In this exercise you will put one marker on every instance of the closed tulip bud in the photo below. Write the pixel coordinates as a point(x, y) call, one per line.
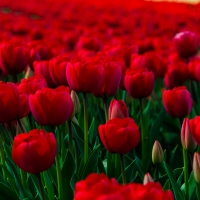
point(187, 140)
point(147, 179)
point(196, 167)
point(76, 102)
point(117, 109)
point(157, 153)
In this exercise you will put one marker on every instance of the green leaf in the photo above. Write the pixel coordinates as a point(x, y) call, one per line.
point(48, 185)
point(177, 192)
point(130, 172)
point(91, 130)
point(67, 172)
point(91, 164)
point(192, 184)
point(155, 129)
point(7, 192)
point(167, 185)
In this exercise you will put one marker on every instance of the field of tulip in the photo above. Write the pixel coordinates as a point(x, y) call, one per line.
point(99, 100)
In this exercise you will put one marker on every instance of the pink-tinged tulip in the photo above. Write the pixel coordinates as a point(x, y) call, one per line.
point(187, 140)
point(186, 44)
point(196, 167)
point(177, 102)
point(117, 109)
point(139, 83)
point(147, 178)
point(34, 152)
point(51, 106)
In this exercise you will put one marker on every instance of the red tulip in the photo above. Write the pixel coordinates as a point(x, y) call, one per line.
point(194, 69)
point(85, 77)
point(32, 85)
point(42, 68)
point(176, 74)
point(139, 83)
point(51, 107)
point(194, 125)
point(149, 60)
point(15, 56)
point(117, 109)
point(13, 104)
point(119, 135)
point(111, 81)
point(186, 44)
point(99, 187)
point(177, 102)
point(34, 152)
point(57, 68)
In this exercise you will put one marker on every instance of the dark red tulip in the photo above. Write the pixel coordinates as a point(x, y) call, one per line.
point(119, 135)
point(139, 83)
point(85, 77)
point(177, 102)
point(194, 125)
point(51, 106)
point(32, 85)
point(14, 55)
point(186, 44)
point(32, 148)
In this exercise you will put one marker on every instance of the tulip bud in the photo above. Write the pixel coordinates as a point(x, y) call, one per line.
point(196, 167)
point(76, 102)
point(187, 140)
point(157, 153)
point(147, 179)
point(117, 109)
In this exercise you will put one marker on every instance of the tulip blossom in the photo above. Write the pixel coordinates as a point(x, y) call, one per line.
point(34, 152)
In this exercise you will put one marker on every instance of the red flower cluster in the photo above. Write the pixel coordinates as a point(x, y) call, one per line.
point(99, 187)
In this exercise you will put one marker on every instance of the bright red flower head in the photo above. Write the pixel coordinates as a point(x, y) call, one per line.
point(177, 102)
point(51, 106)
point(32, 85)
point(139, 83)
point(194, 125)
point(119, 135)
point(85, 77)
point(34, 152)
point(15, 56)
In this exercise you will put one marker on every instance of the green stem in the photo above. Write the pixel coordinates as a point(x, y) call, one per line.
point(185, 159)
point(157, 173)
point(10, 133)
point(2, 156)
point(122, 168)
point(70, 136)
point(105, 105)
point(31, 121)
point(85, 128)
point(117, 168)
point(198, 190)
point(41, 188)
point(23, 177)
point(21, 126)
point(58, 172)
point(143, 136)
